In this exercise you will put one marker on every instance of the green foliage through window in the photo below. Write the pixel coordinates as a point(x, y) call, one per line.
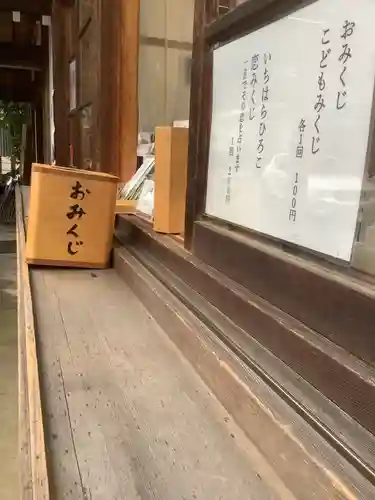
point(12, 117)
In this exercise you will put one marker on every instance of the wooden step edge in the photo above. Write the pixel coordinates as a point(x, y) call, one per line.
point(340, 376)
point(342, 431)
point(305, 462)
point(303, 287)
point(33, 474)
point(131, 230)
point(129, 226)
point(331, 300)
point(25, 476)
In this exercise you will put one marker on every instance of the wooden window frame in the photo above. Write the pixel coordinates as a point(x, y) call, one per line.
point(331, 298)
point(208, 33)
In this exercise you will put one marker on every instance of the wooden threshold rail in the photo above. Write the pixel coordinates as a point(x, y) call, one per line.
point(33, 463)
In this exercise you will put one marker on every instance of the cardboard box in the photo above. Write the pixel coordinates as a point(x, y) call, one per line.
point(171, 153)
point(71, 217)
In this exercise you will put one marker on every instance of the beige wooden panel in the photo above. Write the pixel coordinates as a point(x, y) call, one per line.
point(180, 14)
point(151, 87)
point(152, 18)
point(178, 84)
point(164, 72)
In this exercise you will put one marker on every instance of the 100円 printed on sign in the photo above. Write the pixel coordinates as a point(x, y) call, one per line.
point(290, 125)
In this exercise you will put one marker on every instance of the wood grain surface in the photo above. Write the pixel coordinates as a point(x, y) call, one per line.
point(30, 409)
point(126, 415)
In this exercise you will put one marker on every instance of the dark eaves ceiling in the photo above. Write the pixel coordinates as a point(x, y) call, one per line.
point(27, 6)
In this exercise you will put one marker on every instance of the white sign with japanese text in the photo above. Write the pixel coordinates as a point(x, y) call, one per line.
point(290, 126)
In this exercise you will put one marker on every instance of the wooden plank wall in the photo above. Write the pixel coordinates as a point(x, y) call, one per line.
point(103, 37)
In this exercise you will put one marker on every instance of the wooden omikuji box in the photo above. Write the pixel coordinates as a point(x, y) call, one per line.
point(126, 206)
point(71, 217)
point(171, 154)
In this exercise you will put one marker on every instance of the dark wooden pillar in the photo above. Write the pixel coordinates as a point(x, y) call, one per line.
point(195, 182)
point(61, 83)
point(109, 86)
point(129, 55)
point(119, 86)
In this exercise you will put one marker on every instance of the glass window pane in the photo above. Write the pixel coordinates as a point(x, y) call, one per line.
point(166, 42)
point(287, 157)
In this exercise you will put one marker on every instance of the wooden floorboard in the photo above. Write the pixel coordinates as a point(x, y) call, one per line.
point(126, 417)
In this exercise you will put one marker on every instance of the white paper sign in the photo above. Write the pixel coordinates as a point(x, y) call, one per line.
point(290, 125)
